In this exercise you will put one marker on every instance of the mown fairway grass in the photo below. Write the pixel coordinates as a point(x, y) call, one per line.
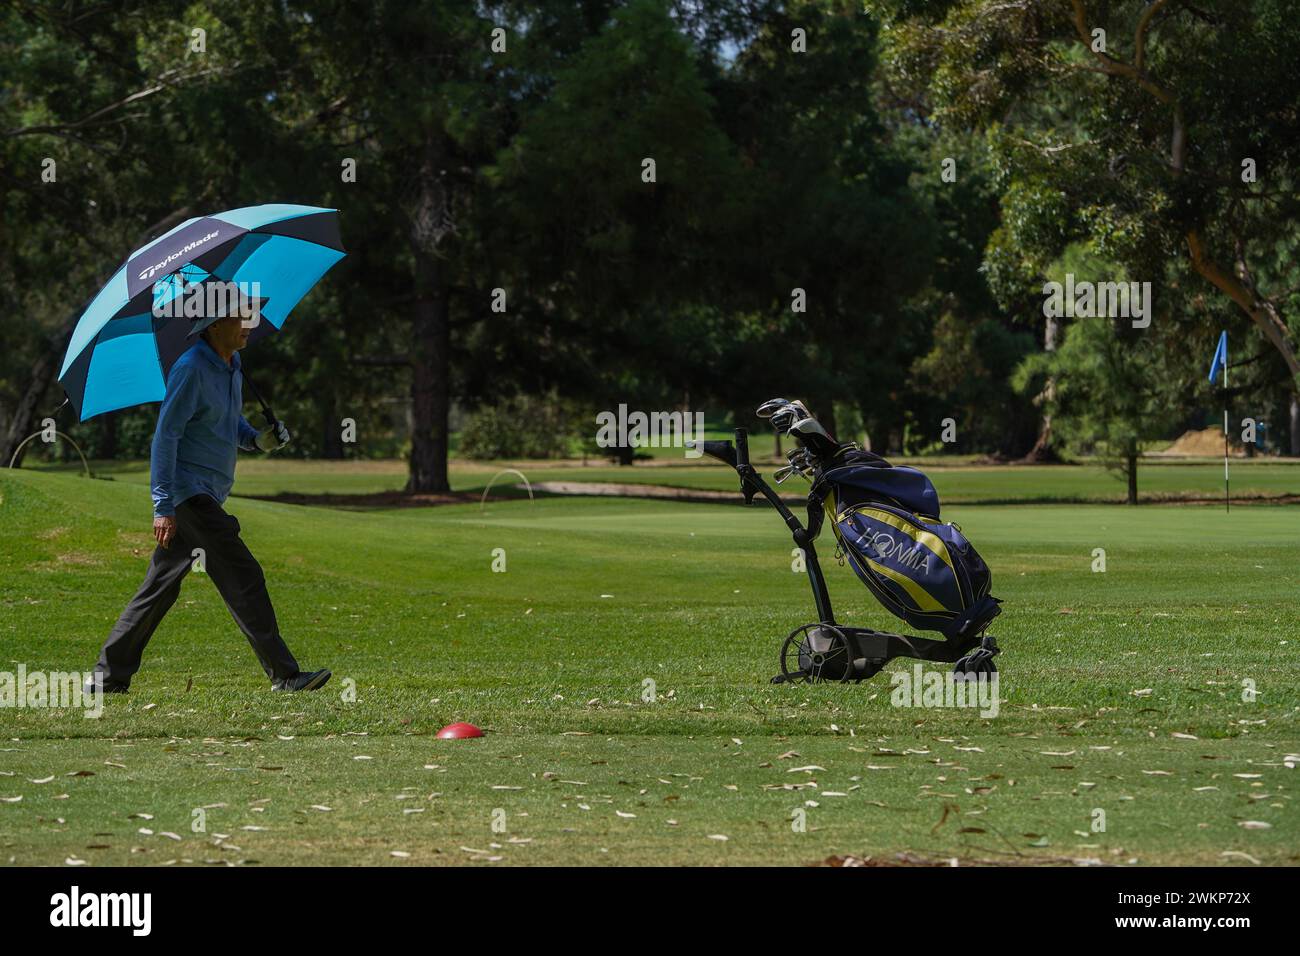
point(1122, 691)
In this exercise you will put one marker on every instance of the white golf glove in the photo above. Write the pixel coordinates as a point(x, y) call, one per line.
point(273, 437)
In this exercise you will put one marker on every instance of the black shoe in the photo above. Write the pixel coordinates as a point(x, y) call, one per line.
point(110, 686)
point(303, 680)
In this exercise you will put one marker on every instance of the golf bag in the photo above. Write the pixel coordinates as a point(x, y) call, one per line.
point(886, 524)
point(886, 520)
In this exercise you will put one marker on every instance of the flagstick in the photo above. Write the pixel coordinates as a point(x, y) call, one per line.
point(1227, 500)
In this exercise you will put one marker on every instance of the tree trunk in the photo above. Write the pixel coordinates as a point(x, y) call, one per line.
point(1131, 472)
point(1043, 450)
point(430, 224)
point(430, 394)
point(108, 436)
point(331, 436)
point(1295, 425)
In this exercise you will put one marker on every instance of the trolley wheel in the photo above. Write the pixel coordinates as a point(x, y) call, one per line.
point(978, 661)
point(816, 652)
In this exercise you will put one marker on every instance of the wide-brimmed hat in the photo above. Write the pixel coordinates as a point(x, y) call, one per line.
point(226, 305)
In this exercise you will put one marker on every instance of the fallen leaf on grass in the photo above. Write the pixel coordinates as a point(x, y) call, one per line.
point(1238, 855)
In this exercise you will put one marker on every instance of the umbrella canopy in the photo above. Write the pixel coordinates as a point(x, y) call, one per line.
point(126, 341)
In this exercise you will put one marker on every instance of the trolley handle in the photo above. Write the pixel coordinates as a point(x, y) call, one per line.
point(748, 477)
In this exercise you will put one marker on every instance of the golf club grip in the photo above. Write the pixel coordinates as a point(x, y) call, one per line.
point(742, 447)
point(742, 466)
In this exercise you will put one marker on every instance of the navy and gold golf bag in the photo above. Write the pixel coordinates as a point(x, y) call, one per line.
point(886, 520)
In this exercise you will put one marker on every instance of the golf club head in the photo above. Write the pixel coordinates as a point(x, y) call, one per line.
point(783, 414)
point(809, 428)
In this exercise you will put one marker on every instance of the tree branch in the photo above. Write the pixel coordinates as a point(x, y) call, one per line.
point(166, 80)
point(1262, 312)
point(1113, 66)
point(1140, 38)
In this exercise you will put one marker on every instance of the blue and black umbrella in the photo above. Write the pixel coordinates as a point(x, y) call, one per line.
point(124, 345)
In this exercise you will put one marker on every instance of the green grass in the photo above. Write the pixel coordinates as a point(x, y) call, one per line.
point(960, 482)
point(1106, 677)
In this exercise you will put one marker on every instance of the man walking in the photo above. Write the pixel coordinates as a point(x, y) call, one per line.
point(200, 428)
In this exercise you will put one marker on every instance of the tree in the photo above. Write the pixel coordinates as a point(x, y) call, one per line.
point(1116, 387)
point(1180, 138)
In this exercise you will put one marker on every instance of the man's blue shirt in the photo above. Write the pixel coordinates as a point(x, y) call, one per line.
point(200, 429)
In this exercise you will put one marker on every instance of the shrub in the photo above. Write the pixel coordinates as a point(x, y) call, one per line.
point(526, 426)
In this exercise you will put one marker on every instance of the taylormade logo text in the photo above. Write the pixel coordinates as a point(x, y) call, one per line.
point(150, 271)
point(103, 909)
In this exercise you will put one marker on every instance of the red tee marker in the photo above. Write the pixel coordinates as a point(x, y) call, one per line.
point(459, 732)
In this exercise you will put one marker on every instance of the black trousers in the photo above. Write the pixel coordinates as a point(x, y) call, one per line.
point(200, 523)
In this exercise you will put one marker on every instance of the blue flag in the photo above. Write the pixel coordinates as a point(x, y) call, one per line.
point(1220, 361)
